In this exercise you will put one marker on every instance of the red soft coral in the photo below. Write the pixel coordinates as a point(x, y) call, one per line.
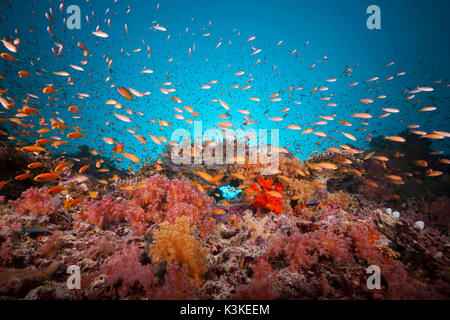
point(263, 198)
point(34, 200)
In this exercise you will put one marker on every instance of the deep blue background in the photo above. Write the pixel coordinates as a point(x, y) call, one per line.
point(414, 34)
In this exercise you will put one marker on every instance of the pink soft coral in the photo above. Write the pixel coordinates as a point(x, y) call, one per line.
point(261, 285)
point(126, 272)
point(157, 200)
point(302, 250)
point(110, 210)
point(166, 200)
point(356, 243)
point(34, 200)
point(161, 199)
point(399, 285)
point(177, 285)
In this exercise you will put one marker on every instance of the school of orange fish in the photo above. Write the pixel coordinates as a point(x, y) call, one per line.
point(26, 118)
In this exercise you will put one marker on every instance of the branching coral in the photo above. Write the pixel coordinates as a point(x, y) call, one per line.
point(175, 243)
point(125, 271)
point(341, 166)
point(34, 200)
point(292, 167)
point(288, 166)
point(249, 169)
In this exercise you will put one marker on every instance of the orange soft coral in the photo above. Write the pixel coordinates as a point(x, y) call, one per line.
point(176, 244)
point(264, 199)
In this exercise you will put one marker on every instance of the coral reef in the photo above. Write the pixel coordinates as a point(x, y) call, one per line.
point(310, 230)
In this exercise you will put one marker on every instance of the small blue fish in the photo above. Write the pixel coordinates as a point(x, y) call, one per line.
point(35, 230)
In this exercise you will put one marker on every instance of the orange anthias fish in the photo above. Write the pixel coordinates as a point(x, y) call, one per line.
point(50, 89)
point(83, 168)
point(131, 157)
point(395, 138)
point(8, 57)
point(124, 92)
point(32, 149)
point(119, 148)
point(73, 109)
point(34, 165)
point(75, 135)
point(46, 177)
point(318, 185)
point(55, 190)
point(204, 176)
point(3, 183)
point(22, 176)
point(61, 166)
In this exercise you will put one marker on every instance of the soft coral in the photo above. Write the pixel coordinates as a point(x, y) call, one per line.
point(34, 200)
point(110, 210)
point(264, 199)
point(161, 199)
point(125, 271)
point(261, 285)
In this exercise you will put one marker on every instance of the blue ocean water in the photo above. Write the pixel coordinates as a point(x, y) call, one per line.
point(412, 35)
